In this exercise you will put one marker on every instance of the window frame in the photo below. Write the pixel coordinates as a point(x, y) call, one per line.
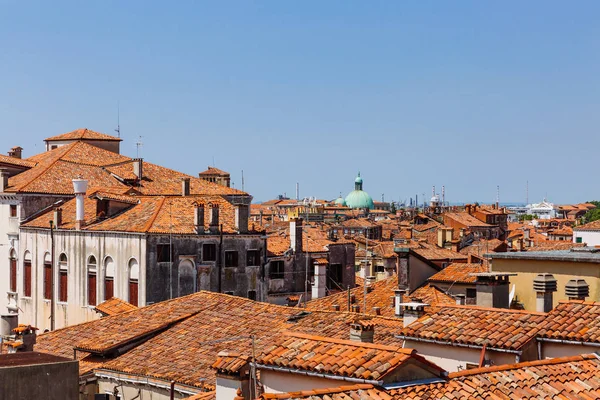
point(256, 254)
point(280, 273)
point(212, 252)
point(231, 259)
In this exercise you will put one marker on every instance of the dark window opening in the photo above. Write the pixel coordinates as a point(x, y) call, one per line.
point(47, 280)
point(579, 240)
point(277, 269)
point(253, 258)
point(13, 210)
point(379, 268)
point(231, 258)
point(252, 294)
point(209, 252)
point(471, 293)
point(335, 275)
point(163, 253)
point(229, 293)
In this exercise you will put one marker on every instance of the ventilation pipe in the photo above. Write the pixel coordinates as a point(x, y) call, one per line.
point(80, 187)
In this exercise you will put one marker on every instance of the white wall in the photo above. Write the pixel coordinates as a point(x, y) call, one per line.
point(78, 246)
point(590, 237)
point(282, 382)
point(130, 391)
point(8, 240)
point(554, 350)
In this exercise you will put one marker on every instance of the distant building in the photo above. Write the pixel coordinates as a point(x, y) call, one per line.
point(588, 233)
point(358, 198)
point(217, 176)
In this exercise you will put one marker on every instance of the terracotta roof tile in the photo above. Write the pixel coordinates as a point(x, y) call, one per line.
point(114, 305)
point(459, 273)
point(213, 171)
point(574, 320)
point(466, 219)
point(19, 162)
point(83, 133)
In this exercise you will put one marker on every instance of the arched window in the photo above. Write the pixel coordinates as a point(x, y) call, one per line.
point(134, 276)
point(13, 271)
point(63, 269)
point(187, 278)
point(47, 276)
point(109, 278)
point(27, 274)
point(91, 281)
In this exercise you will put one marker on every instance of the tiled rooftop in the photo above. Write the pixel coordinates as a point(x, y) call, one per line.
point(471, 325)
point(114, 305)
point(83, 133)
point(18, 162)
point(575, 320)
point(331, 356)
point(590, 255)
point(591, 226)
point(466, 219)
point(213, 171)
point(459, 273)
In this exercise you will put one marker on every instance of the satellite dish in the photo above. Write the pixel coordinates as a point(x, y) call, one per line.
point(511, 296)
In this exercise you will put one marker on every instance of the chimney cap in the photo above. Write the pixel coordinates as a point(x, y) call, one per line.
point(544, 283)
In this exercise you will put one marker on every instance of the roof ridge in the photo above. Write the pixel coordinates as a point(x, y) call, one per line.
point(510, 310)
point(403, 350)
point(153, 218)
point(506, 367)
point(43, 170)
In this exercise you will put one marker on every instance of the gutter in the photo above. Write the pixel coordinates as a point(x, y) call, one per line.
point(470, 346)
point(157, 383)
point(562, 341)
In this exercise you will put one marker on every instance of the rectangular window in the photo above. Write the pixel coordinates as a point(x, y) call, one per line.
point(109, 288)
point(47, 281)
point(379, 268)
point(253, 258)
point(471, 293)
point(231, 258)
point(252, 294)
point(13, 274)
point(13, 210)
point(163, 253)
point(63, 286)
point(335, 276)
point(133, 292)
point(578, 240)
point(276, 269)
point(91, 288)
point(209, 252)
point(27, 278)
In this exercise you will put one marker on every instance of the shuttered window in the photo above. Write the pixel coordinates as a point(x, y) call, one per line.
point(109, 288)
point(47, 280)
point(13, 274)
point(63, 287)
point(133, 292)
point(92, 288)
point(27, 278)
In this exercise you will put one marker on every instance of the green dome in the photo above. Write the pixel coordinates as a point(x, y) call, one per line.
point(358, 179)
point(340, 201)
point(359, 199)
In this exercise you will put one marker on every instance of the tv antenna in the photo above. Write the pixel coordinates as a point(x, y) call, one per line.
point(118, 130)
point(138, 145)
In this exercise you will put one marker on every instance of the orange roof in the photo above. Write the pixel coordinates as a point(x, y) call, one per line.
point(212, 395)
point(591, 226)
point(471, 325)
point(18, 162)
point(230, 362)
point(83, 134)
point(466, 219)
point(459, 273)
point(574, 320)
point(344, 358)
point(114, 305)
point(213, 171)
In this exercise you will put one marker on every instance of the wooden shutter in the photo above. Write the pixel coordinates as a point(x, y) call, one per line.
point(27, 278)
point(47, 281)
point(13, 275)
point(91, 289)
point(133, 292)
point(109, 288)
point(63, 286)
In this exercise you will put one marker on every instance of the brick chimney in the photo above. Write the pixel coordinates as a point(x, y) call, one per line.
point(296, 234)
point(185, 186)
point(362, 331)
point(214, 218)
point(492, 289)
point(544, 285)
point(79, 187)
point(412, 312)
point(3, 179)
point(577, 289)
point(199, 218)
point(242, 212)
point(16, 152)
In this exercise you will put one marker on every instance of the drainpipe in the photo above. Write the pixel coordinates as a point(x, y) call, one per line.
point(172, 390)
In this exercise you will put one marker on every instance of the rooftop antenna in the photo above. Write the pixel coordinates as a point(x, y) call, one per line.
point(497, 196)
point(297, 191)
point(242, 180)
point(118, 130)
point(527, 193)
point(382, 198)
point(443, 195)
point(138, 145)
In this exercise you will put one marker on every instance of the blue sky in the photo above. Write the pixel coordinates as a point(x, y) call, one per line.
point(465, 94)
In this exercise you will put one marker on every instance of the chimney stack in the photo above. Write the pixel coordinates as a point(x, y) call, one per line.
point(57, 217)
point(336, 307)
point(398, 298)
point(79, 187)
point(318, 287)
point(241, 218)
point(199, 218)
point(492, 289)
point(377, 310)
point(296, 234)
point(3, 179)
point(362, 331)
point(185, 186)
point(214, 218)
point(16, 152)
point(355, 308)
point(577, 289)
point(544, 285)
point(138, 168)
point(412, 312)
